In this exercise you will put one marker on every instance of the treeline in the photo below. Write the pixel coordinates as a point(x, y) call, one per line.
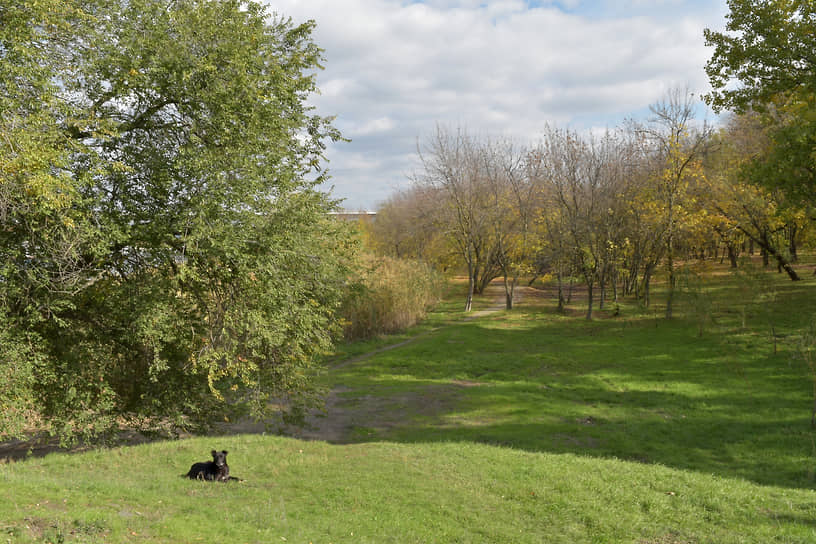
point(612, 209)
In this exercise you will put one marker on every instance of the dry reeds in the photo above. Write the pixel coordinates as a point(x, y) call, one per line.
point(390, 295)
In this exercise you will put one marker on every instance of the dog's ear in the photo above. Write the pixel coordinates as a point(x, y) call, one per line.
point(224, 452)
point(213, 452)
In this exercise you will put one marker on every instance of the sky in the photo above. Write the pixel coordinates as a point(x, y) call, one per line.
point(397, 69)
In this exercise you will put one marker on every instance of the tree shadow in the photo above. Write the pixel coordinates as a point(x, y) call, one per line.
point(644, 392)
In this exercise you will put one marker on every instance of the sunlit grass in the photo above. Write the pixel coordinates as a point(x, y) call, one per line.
point(633, 387)
point(446, 492)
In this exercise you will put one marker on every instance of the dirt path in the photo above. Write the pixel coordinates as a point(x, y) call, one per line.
point(344, 417)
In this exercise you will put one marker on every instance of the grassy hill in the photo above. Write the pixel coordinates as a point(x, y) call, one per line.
point(525, 426)
point(386, 492)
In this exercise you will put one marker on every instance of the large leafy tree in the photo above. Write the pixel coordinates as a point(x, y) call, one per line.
point(768, 47)
point(765, 61)
point(215, 269)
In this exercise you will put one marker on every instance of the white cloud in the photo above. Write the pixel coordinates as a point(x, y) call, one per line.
point(394, 69)
point(375, 126)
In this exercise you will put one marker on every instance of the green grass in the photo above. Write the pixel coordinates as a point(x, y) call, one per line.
point(635, 387)
point(521, 426)
point(387, 492)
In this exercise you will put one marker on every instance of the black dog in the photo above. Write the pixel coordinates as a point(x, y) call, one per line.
point(216, 470)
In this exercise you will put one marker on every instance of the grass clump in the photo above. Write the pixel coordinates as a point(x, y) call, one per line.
point(391, 295)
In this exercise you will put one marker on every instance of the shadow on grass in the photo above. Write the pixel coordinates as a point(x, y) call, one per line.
point(641, 391)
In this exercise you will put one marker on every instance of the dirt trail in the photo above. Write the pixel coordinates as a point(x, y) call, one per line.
point(373, 414)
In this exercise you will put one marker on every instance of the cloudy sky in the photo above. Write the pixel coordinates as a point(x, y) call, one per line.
point(397, 68)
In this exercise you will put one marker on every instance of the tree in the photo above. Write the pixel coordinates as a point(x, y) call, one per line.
point(788, 162)
point(216, 270)
point(554, 254)
point(46, 238)
point(405, 227)
point(581, 178)
point(453, 168)
point(759, 213)
point(768, 49)
point(642, 246)
point(679, 148)
point(512, 187)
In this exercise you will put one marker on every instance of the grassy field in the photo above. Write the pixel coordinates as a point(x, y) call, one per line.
point(523, 426)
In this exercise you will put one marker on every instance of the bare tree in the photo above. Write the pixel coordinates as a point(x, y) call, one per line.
point(572, 170)
point(452, 165)
point(513, 197)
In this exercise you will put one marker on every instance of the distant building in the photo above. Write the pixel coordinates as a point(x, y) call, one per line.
point(360, 215)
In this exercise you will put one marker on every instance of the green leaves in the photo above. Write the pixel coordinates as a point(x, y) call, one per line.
point(768, 47)
point(167, 172)
point(769, 52)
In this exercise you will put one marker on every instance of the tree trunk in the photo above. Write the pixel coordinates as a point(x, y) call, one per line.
point(786, 267)
point(632, 283)
point(602, 287)
point(672, 279)
point(732, 255)
point(792, 230)
point(471, 284)
point(477, 289)
point(767, 249)
point(560, 280)
point(615, 287)
point(647, 279)
point(509, 290)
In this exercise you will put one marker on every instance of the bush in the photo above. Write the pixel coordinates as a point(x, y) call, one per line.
point(18, 362)
point(390, 295)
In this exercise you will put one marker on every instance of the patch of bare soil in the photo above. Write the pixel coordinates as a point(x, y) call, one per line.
point(41, 445)
point(347, 419)
point(343, 417)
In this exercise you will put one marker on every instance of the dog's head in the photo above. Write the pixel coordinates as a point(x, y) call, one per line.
point(220, 458)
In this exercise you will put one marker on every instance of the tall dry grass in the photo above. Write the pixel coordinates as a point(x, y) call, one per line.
point(390, 295)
